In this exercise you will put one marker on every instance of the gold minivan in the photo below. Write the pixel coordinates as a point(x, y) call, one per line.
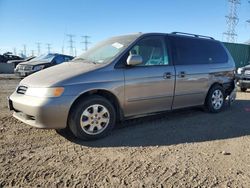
point(126, 77)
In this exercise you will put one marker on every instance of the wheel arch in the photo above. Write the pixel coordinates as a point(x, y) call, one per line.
point(211, 86)
point(103, 93)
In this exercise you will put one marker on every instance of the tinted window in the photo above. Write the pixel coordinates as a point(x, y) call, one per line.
point(59, 59)
point(44, 57)
point(66, 58)
point(198, 51)
point(152, 50)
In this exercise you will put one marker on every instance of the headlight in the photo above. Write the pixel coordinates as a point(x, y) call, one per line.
point(38, 67)
point(239, 70)
point(18, 66)
point(45, 92)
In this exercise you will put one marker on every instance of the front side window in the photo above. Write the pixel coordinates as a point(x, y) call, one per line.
point(152, 50)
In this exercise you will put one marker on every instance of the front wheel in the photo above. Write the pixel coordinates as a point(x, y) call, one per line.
point(215, 99)
point(92, 118)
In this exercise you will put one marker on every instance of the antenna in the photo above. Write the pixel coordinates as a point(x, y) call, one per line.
point(48, 47)
point(232, 20)
point(85, 42)
point(38, 48)
point(71, 42)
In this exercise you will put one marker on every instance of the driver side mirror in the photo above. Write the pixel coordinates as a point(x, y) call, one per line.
point(134, 59)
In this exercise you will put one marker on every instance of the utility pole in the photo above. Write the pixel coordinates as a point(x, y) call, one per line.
point(75, 52)
point(63, 50)
point(248, 21)
point(85, 42)
point(21, 53)
point(14, 50)
point(24, 49)
point(232, 20)
point(71, 44)
point(32, 52)
point(48, 47)
point(38, 48)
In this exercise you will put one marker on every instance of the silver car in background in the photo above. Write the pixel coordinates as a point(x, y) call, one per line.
point(39, 63)
point(126, 77)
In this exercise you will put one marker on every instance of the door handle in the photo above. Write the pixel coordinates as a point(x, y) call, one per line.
point(182, 74)
point(167, 75)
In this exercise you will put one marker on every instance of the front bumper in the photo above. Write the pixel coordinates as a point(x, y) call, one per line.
point(49, 113)
point(232, 95)
point(23, 73)
point(243, 82)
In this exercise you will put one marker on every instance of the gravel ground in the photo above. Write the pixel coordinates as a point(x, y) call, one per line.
point(187, 148)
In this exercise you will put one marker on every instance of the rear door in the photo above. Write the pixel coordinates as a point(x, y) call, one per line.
point(192, 64)
point(149, 87)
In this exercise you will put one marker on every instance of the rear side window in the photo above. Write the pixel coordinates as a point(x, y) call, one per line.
point(189, 51)
point(66, 58)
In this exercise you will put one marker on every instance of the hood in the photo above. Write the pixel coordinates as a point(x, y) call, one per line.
point(34, 62)
point(246, 67)
point(15, 61)
point(57, 74)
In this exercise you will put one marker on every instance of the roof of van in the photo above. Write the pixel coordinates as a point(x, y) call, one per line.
point(173, 34)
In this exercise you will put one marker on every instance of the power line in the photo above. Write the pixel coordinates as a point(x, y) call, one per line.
point(232, 20)
point(85, 42)
point(71, 44)
point(38, 48)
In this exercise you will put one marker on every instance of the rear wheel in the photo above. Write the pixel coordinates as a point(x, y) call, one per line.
point(92, 118)
point(243, 89)
point(215, 99)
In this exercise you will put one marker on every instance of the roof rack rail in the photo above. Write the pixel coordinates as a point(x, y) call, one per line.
point(194, 35)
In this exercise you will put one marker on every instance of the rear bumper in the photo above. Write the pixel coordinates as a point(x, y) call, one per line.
point(49, 113)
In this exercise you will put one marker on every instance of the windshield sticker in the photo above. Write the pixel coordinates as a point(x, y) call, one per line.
point(117, 45)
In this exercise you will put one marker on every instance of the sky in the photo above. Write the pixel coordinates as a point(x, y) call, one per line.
point(26, 22)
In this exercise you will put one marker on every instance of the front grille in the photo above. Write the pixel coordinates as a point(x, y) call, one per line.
point(21, 89)
point(247, 72)
point(25, 67)
point(248, 79)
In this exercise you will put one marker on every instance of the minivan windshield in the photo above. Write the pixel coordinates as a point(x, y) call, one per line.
point(44, 57)
point(106, 51)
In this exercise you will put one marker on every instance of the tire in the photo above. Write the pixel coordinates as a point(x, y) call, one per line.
point(243, 89)
point(92, 118)
point(215, 99)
